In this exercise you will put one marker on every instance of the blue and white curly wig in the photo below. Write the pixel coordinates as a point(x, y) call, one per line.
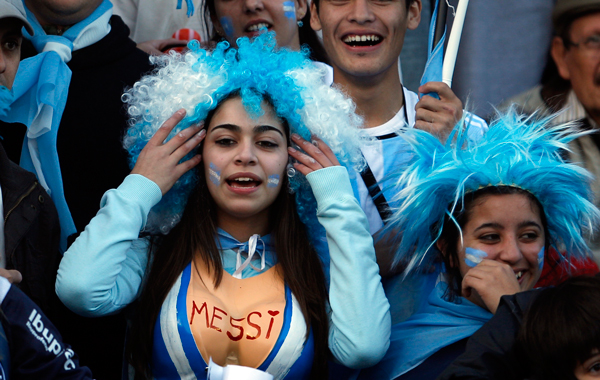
point(199, 80)
point(516, 151)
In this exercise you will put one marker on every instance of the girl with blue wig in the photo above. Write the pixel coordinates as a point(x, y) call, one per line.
point(486, 214)
point(224, 269)
point(289, 19)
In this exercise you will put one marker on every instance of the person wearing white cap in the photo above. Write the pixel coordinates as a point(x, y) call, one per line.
point(66, 123)
point(12, 18)
point(29, 254)
point(30, 346)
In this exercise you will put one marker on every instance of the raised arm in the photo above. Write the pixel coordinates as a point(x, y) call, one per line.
point(359, 331)
point(103, 269)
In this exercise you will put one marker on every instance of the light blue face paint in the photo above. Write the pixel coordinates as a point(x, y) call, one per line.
point(540, 258)
point(273, 180)
point(474, 256)
point(214, 174)
point(289, 9)
point(227, 24)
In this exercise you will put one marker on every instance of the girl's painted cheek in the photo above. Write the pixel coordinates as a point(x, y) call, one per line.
point(227, 24)
point(540, 258)
point(289, 9)
point(273, 180)
point(214, 174)
point(474, 256)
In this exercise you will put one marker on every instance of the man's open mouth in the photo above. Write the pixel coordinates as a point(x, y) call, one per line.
point(356, 40)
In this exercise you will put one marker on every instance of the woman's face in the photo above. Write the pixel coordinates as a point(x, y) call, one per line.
point(244, 162)
point(239, 18)
point(505, 228)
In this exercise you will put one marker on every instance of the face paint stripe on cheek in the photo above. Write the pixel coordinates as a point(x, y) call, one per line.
point(474, 256)
point(289, 9)
point(227, 24)
point(214, 174)
point(540, 258)
point(273, 180)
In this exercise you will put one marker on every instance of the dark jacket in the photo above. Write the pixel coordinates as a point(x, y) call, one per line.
point(491, 352)
point(31, 233)
point(92, 161)
point(32, 348)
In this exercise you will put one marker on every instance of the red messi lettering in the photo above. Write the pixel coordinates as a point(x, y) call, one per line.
point(241, 335)
point(257, 327)
point(199, 311)
point(212, 326)
point(273, 313)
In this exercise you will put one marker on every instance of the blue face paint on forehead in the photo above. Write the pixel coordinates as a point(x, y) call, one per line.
point(214, 174)
point(227, 24)
point(289, 9)
point(474, 256)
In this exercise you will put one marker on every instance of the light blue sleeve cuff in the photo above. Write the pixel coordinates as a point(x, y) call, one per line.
point(331, 184)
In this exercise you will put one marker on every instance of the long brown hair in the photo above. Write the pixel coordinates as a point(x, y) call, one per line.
point(299, 266)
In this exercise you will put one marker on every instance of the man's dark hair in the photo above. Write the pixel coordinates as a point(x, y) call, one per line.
point(562, 26)
point(561, 329)
point(554, 88)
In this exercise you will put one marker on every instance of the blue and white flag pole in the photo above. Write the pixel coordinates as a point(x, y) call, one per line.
point(440, 66)
point(454, 42)
point(435, 46)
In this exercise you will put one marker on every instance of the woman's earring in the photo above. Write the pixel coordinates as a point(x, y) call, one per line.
point(300, 24)
point(291, 171)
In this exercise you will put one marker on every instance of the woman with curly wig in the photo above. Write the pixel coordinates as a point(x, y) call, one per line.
point(225, 267)
point(485, 214)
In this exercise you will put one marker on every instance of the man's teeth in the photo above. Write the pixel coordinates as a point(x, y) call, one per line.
point(363, 38)
point(257, 27)
point(519, 274)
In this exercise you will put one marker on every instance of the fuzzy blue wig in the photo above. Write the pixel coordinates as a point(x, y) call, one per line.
point(516, 151)
point(199, 80)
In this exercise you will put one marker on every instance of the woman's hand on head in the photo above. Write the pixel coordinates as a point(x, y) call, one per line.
point(159, 160)
point(486, 283)
point(317, 155)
